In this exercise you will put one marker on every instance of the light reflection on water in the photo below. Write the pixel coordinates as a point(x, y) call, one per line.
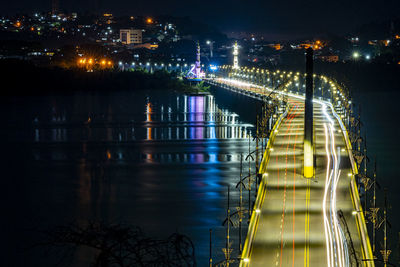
point(160, 161)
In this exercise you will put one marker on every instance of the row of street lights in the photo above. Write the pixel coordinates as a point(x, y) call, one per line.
point(356, 55)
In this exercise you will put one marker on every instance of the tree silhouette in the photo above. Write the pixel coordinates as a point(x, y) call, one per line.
point(119, 245)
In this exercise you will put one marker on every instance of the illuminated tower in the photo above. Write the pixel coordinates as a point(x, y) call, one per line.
point(54, 6)
point(235, 56)
point(198, 67)
point(195, 73)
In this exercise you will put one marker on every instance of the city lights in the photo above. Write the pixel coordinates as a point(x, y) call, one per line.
point(92, 63)
point(266, 102)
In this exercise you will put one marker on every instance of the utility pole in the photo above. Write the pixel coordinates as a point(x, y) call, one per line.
point(210, 247)
point(249, 157)
point(257, 136)
point(227, 251)
point(398, 247)
point(240, 206)
point(308, 117)
point(375, 213)
point(385, 252)
point(366, 179)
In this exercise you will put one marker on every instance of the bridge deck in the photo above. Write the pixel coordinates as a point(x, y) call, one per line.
point(290, 230)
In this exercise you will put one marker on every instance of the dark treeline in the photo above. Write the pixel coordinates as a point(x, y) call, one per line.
point(24, 78)
point(115, 245)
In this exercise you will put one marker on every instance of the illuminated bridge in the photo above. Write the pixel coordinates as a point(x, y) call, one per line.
point(298, 221)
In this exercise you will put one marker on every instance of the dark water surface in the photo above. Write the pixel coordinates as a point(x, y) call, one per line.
point(380, 115)
point(157, 160)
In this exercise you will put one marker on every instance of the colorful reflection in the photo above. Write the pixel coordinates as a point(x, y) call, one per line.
point(199, 118)
point(165, 156)
point(196, 109)
point(175, 119)
point(148, 119)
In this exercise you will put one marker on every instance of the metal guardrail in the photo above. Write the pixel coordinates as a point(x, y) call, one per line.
point(244, 261)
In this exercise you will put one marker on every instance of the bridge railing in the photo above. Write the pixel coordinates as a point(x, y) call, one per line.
point(326, 89)
point(337, 98)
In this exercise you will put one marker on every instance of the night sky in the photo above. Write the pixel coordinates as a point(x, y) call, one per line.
point(290, 17)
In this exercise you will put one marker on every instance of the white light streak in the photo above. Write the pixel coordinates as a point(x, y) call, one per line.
point(336, 245)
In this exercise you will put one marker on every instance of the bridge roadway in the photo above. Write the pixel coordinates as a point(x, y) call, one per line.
point(295, 220)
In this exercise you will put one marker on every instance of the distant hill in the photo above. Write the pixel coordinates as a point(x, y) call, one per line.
point(186, 26)
point(378, 29)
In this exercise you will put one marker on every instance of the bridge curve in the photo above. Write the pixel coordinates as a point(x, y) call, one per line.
point(298, 221)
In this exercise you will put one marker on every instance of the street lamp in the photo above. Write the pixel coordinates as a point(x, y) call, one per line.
point(356, 55)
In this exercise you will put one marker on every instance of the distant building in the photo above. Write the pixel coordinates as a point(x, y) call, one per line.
point(275, 46)
point(130, 36)
point(107, 18)
point(329, 57)
point(147, 46)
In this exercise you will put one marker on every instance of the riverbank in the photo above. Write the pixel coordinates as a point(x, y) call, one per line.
point(24, 78)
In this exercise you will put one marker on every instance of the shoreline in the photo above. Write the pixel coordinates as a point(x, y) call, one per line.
point(25, 79)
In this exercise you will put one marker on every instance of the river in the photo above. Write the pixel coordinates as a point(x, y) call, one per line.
point(158, 160)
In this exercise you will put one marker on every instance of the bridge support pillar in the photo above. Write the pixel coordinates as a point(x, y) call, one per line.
point(308, 118)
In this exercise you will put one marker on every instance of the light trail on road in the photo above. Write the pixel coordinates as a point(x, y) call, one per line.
point(332, 234)
point(328, 238)
point(294, 190)
point(282, 228)
point(291, 117)
point(337, 254)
